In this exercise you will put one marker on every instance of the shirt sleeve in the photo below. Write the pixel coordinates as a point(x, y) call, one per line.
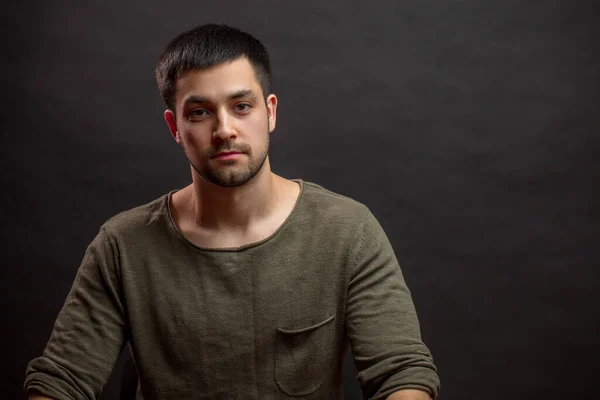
point(89, 332)
point(382, 323)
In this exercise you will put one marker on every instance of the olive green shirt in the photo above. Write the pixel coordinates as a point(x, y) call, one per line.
point(269, 320)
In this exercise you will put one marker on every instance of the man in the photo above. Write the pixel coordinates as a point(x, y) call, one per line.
point(242, 285)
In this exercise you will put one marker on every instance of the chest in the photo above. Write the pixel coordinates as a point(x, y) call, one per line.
point(233, 299)
point(231, 316)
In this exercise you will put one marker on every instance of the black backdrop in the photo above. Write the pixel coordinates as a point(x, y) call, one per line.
point(470, 129)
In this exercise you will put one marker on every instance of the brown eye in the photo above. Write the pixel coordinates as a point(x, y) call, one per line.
point(198, 114)
point(242, 107)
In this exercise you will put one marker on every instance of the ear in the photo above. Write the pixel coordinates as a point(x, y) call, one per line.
point(272, 111)
point(172, 122)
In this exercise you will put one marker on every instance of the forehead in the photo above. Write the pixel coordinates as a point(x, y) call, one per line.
point(217, 82)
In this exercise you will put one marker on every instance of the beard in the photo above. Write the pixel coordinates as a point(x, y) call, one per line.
point(231, 173)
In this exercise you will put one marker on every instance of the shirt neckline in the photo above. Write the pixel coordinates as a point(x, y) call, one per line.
point(173, 226)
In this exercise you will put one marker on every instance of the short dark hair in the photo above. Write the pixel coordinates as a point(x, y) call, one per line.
point(206, 46)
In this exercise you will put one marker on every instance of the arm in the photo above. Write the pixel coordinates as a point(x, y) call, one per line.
point(382, 324)
point(409, 394)
point(36, 396)
point(88, 334)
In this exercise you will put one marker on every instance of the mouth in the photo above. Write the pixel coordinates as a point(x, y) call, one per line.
point(227, 155)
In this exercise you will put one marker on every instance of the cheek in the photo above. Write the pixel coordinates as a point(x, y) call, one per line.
point(192, 138)
point(193, 145)
point(258, 124)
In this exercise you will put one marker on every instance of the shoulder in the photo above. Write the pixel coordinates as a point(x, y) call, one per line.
point(140, 217)
point(329, 206)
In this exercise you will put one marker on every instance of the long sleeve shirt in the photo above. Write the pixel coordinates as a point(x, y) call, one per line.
point(269, 320)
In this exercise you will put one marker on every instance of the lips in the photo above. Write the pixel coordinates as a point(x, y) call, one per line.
point(227, 154)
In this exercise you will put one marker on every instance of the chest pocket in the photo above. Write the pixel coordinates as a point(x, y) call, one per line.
point(303, 357)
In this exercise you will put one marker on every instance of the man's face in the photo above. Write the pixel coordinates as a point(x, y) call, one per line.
point(222, 122)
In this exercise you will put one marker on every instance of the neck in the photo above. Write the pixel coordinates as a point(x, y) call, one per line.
point(233, 208)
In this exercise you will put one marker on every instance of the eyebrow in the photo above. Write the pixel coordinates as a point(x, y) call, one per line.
point(238, 94)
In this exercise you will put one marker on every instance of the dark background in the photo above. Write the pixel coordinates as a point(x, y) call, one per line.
point(470, 128)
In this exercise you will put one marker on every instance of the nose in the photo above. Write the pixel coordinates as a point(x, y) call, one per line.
point(225, 128)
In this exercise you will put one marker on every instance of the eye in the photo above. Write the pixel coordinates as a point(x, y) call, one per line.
point(242, 107)
point(198, 114)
